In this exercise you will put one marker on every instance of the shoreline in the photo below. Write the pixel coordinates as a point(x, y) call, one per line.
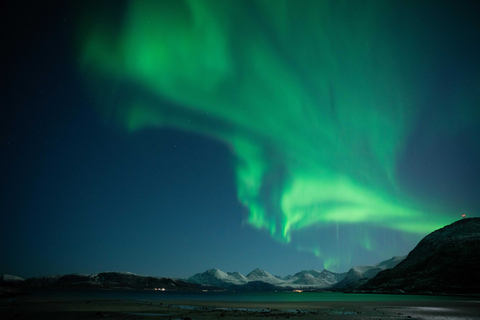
point(53, 307)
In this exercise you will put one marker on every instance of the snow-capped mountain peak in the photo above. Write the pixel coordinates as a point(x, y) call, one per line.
point(217, 277)
point(314, 278)
point(217, 273)
point(262, 275)
point(258, 273)
point(314, 273)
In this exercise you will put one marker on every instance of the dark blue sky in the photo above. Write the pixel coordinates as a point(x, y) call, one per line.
point(80, 194)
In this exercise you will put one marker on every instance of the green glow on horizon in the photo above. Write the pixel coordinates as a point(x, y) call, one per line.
point(316, 113)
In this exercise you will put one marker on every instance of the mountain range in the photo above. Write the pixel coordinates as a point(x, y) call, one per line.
point(306, 279)
point(103, 280)
point(445, 261)
point(257, 280)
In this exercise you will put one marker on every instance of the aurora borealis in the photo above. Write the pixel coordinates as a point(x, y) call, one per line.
point(325, 107)
point(315, 102)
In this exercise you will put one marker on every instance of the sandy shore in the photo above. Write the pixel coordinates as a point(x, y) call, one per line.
point(27, 307)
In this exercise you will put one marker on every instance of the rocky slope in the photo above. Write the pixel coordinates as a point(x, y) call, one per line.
point(358, 275)
point(445, 261)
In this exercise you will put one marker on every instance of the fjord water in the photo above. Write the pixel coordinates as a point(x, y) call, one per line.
point(172, 296)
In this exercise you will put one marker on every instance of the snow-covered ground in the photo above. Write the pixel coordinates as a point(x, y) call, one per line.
point(9, 278)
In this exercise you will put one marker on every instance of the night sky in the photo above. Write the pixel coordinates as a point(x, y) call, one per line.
point(169, 137)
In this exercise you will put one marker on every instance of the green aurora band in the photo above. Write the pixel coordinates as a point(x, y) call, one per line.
point(316, 100)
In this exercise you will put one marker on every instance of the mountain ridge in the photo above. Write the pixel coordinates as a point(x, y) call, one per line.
point(446, 261)
point(256, 280)
point(305, 279)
